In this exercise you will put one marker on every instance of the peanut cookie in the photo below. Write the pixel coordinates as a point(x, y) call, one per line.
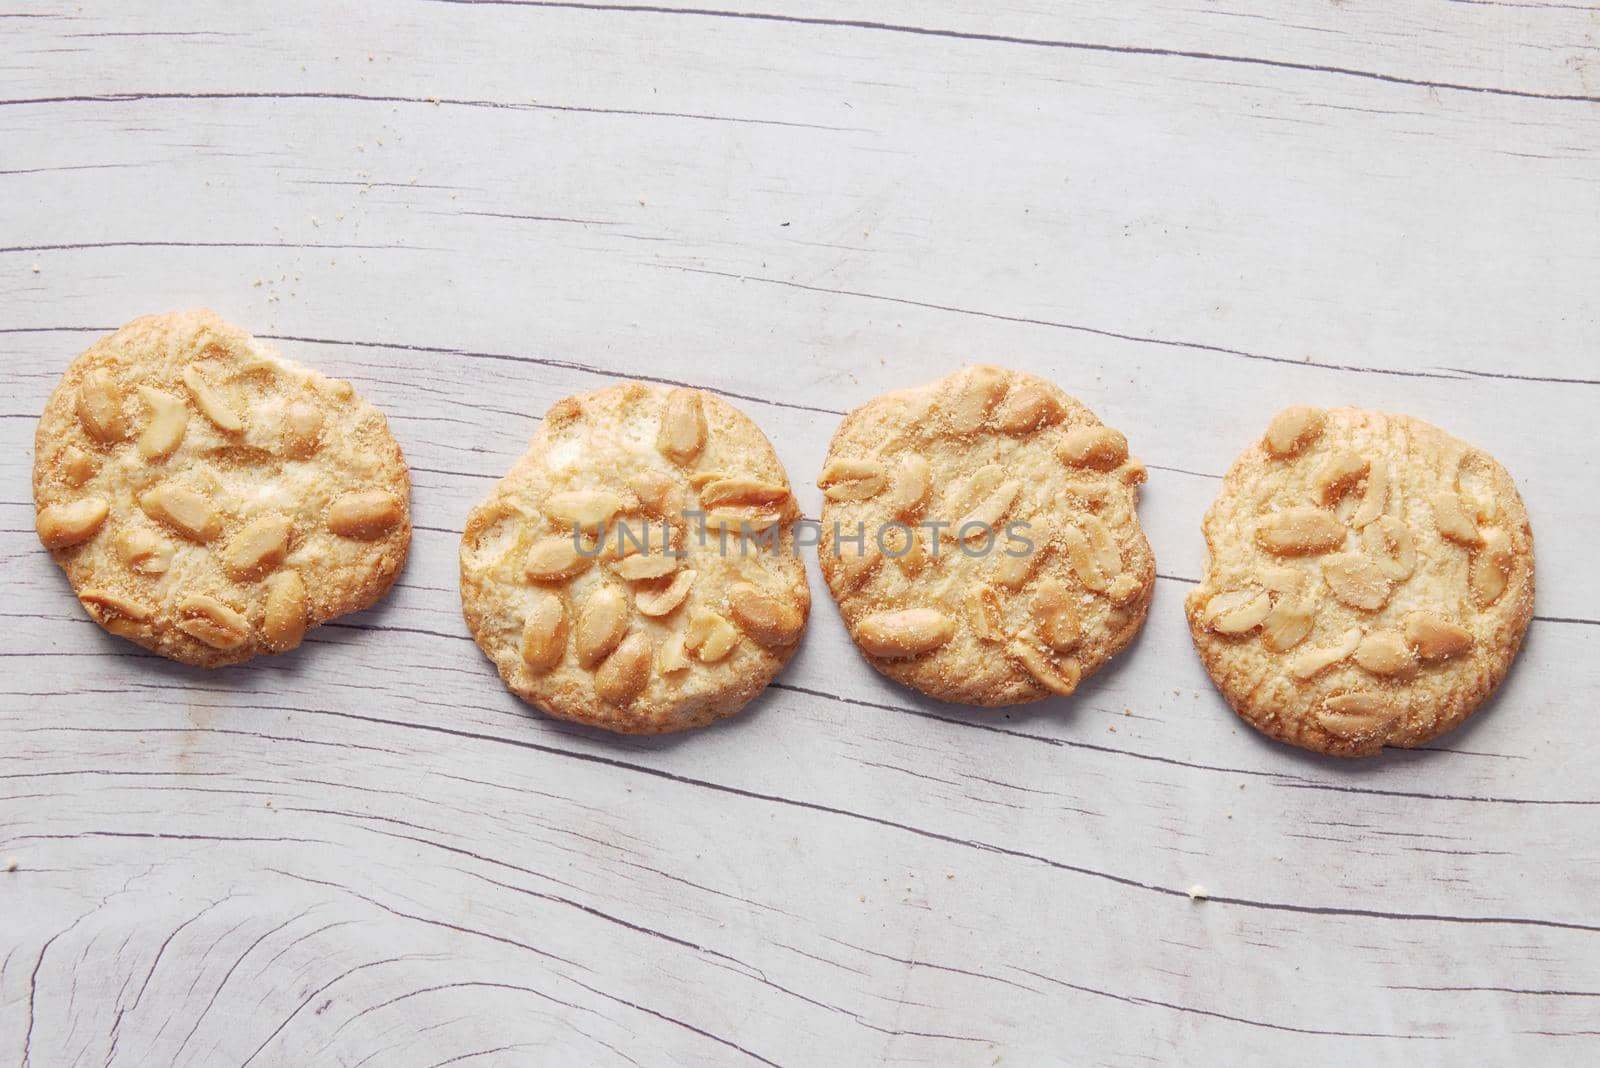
point(979, 534)
point(1368, 582)
point(211, 501)
point(606, 574)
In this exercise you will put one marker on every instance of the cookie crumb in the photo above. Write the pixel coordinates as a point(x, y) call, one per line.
point(11, 864)
point(1198, 893)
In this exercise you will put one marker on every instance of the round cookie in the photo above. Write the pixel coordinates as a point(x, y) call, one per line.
point(606, 574)
point(979, 534)
point(1368, 582)
point(211, 501)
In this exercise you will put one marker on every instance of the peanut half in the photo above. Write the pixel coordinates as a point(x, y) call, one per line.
point(1388, 541)
point(258, 548)
point(852, 480)
point(1435, 638)
point(1357, 581)
point(1093, 552)
point(683, 426)
point(143, 551)
point(544, 632)
point(301, 432)
point(985, 517)
point(1237, 611)
point(739, 489)
point(602, 621)
point(660, 602)
point(988, 622)
point(908, 489)
point(1361, 715)
point(169, 418)
point(1309, 662)
point(626, 672)
point(1291, 617)
point(183, 510)
point(709, 636)
point(1056, 616)
point(62, 525)
point(769, 619)
point(1374, 498)
point(132, 611)
point(1386, 653)
point(1340, 474)
point(1028, 407)
point(1300, 532)
point(365, 514)
point(1451, 517)
point(641, 567)
point(671, 659)
point(208, 620)
point(1058, 676)
point(211, 403)
point(1096, 447)
point(1292, 429)
point(100, 408)
point(588, 510)
point(554, 560)
point(1490, 568)
point(904, 633)
point(971, 398)
point(283, 622)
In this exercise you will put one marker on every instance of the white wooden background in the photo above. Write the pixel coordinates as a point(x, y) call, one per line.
point(1188, 213)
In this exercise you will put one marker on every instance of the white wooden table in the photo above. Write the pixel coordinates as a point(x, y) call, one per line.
point(1187, 213)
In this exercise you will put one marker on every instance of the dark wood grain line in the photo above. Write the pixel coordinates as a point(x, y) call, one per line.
point(530, 218)
point(1277, 778)
point(116, 1023)
point(73, 167)
point(155, 33)
point(1044, 42)
point(93, 245)
point(138, 97)
point(1528, 7)
point(217, 990)
point(1526, 378)
point(504, 941)
point(741, 967)
point(730, 1043)
point(1498, 990)
point(474, 1054)
point(317, 992)
point(1478, 798)
point(1198, 346)
point(568, 365)
point(471, 984)
point(1182, 471)
point(1134, 999)
point(950, 839)
point(912, 962)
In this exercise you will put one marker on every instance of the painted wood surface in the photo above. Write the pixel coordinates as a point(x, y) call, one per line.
point(1188, 214)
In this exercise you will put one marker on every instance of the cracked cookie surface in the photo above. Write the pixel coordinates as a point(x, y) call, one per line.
point(1059, 584)
point(1368, 582)
point(595, 576)
point(210, 500)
